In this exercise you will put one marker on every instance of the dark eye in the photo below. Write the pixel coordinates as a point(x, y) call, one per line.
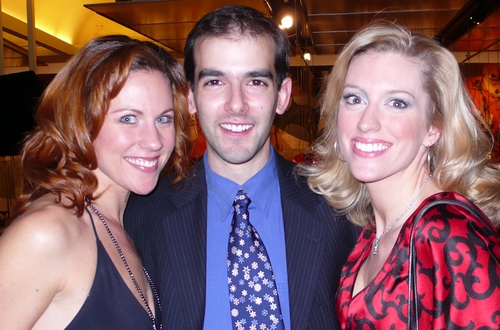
point(213, 82)
point(257, 82)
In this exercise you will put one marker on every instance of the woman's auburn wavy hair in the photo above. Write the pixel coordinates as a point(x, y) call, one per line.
point(58, 156)
point(459, 159)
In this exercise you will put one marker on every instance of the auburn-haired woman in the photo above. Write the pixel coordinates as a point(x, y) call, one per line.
point(107, 125)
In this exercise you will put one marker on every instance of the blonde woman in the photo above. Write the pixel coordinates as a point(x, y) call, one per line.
point(401, 132)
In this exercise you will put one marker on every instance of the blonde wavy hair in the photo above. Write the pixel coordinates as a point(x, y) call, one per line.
point(459, 159)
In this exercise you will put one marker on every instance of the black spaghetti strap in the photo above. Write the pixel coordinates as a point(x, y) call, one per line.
point(91, 221)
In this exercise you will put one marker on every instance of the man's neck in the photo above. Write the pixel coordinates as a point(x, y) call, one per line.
point(239, 173)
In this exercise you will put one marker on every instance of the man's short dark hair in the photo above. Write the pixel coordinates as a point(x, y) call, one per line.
point(239, 21)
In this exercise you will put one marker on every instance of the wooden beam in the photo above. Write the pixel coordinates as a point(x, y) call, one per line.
point(19, 29)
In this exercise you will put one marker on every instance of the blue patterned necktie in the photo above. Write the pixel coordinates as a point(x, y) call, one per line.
point(252, 290)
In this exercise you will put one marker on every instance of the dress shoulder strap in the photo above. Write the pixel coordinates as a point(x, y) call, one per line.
point(91, 221)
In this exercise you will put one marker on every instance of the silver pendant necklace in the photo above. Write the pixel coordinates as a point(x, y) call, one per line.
point(378, 238)
point(131, 275)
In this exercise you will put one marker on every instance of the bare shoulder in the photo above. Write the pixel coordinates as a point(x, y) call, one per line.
point(39, 256)
point(45, 228)
point(39, 242)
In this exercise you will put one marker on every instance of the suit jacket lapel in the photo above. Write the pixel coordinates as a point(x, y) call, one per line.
point(303, 234)
point(186, 230)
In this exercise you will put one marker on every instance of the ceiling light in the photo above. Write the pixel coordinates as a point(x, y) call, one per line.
point(287, 22)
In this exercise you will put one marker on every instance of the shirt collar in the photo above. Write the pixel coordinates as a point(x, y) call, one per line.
point(259, 187)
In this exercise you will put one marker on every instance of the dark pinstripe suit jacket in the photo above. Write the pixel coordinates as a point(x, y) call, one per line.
point(169, 230)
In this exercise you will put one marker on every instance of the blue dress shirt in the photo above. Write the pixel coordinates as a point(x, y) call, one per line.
point(267, 218)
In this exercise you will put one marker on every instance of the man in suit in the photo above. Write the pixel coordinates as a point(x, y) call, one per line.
point(237, 62)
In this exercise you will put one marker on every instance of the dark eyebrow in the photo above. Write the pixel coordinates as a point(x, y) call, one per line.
point(210, 73)
point(252, 74)
point(260, 74)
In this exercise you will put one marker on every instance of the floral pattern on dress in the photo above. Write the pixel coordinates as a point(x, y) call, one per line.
point(458, 274)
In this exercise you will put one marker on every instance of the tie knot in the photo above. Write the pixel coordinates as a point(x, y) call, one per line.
point(242, 200)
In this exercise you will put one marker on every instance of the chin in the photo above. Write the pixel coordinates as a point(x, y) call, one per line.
point(144, 189)
point(142, 192)
point(365, 178)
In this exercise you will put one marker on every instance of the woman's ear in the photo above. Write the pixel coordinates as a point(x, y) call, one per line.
point(432, 136)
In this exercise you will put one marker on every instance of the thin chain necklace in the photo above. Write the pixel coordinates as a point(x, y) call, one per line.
point(131, 275)
point(378, 238)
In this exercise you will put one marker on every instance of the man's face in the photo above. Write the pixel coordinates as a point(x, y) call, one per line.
point(236, 98)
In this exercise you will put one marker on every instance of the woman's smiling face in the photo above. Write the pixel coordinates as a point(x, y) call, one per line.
point(138, 134)
point(382, 122)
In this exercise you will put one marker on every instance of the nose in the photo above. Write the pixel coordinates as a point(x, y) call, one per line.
point(236, 100)
point(369, 120)
point(150, 138)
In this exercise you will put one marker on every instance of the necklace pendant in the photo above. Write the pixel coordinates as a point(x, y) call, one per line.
point(375, 246)
point(377, 239)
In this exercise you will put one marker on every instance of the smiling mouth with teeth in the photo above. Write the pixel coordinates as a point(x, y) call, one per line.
point(370, 147)
point(236, 128)
point(142, 162)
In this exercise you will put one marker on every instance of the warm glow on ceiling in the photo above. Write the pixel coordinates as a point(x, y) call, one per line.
point(67, 20)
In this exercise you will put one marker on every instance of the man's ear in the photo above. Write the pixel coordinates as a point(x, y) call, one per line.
point(191, 103)
point(284, 96)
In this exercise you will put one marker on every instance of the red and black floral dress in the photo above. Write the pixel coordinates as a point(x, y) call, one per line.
point(458, 274)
